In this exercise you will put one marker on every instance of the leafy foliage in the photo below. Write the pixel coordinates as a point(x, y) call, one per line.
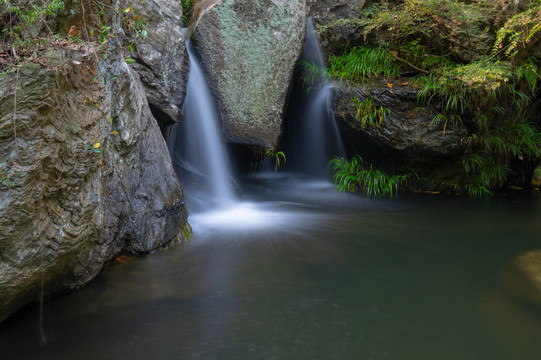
point(370, 114)
point(356, 175)
point(483, 87)
point(492, 137)
point(519, 32)
point(276, 156)
point(24, 17)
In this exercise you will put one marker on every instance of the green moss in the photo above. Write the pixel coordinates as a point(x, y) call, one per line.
point(258, 43)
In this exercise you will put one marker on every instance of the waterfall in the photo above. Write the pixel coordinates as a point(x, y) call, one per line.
point(196, 144)
point(315, 137)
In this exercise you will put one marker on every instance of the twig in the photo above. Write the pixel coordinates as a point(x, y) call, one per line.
point(15, 113)
point(411, 65)
point(84, 21)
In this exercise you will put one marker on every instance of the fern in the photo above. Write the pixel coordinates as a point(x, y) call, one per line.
point(355, 175)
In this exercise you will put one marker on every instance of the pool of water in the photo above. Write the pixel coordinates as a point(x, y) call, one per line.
point(309, 275)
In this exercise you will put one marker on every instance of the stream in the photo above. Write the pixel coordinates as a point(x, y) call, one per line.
point(281, 266)
point(312, 274)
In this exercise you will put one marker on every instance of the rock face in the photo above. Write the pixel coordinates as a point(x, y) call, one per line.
point(67, 208)
point(522, 278)
point(324, 12)
point(250, 49)
point(162, 60)
point(405, 139)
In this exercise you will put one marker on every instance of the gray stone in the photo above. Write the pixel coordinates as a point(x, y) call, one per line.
point(250, 49)
point(324, 12)
point(522, 277)
point(536, 178)
point(161, 58)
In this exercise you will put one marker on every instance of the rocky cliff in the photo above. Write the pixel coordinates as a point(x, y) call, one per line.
point(85, 171)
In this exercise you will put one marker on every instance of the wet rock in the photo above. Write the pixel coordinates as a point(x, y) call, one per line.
point(161, 58)
point(406, 139)
point(67, 208)
point(536, 178)
point(522, 278)
point(250, 49)
point(324, 12)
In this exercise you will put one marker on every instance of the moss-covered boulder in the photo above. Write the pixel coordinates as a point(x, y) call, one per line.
point(250, 49)
point(522, 277)
point(536, 178)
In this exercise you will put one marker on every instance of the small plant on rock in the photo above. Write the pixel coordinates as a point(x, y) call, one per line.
point(276, 156)
point(369, 114)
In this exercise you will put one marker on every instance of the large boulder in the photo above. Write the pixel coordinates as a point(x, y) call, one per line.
point(522, 277)
point(536, 177)
point(406, 139)
point(250, 49)
point(67, 208)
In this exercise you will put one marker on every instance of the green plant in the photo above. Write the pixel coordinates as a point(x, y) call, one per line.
point(356, 175)
point(24, 17)
point(186, 7)
point(276, 156)
point(8, 176)
point(519, 32)
point(369, 113)
point(362, 63)
point(312, 76)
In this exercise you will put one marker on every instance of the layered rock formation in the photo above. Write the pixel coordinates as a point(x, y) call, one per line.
point(85, 172)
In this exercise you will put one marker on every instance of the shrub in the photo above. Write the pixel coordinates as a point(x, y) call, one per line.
point(356, 175)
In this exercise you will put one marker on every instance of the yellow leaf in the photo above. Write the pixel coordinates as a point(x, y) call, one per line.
point(114, 132)
point(97, 145)
point(127, 10)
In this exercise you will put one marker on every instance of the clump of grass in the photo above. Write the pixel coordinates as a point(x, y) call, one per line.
point(362, 63)
point(355, 175)
point(368, 113)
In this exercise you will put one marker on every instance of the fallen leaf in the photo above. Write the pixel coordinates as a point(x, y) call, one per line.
point(73, 31)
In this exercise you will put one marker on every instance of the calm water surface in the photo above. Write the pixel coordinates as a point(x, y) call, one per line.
point(309, 275)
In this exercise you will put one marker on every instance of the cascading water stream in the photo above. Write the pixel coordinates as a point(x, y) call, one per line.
point(196, 145)
point(316, 138)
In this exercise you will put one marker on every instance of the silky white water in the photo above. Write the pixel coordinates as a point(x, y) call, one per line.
point(196, 145)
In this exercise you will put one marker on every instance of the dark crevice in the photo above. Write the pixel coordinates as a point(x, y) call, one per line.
point(162, 119)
